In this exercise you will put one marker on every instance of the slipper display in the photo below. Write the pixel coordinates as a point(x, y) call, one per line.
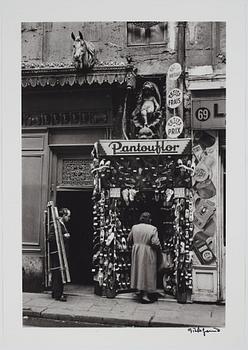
point(205, 189)
point(201, 172)
point(110, 238)
point(132, 193)
point(204, 211)
point(125, 194)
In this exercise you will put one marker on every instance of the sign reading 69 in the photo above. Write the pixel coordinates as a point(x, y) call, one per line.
point(202, 114)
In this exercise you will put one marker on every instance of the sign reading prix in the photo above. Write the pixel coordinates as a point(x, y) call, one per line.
point(174, 127)
point(174, 71)
point(174, 98)
point(144, 147)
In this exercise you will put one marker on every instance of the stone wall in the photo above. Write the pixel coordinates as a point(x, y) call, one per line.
point(51, 42)
point(32, 273)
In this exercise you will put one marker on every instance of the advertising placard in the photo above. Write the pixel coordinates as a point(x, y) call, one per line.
point(174, 127)
point(174, 98)
point(174, 71)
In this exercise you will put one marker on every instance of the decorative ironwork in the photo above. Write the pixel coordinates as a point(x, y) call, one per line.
point(77, 173)
point(72, 118)
point(59, 74)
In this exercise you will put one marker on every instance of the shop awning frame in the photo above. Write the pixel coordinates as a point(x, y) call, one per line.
point(60, 75)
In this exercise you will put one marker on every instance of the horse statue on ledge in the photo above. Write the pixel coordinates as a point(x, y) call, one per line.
point(84, 55)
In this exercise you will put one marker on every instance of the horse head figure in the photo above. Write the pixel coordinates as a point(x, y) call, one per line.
point(84, 54)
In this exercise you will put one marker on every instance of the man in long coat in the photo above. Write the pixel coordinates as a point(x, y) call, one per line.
point(146, 245)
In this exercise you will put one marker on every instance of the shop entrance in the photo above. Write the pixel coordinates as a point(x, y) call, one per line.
point(80, 229)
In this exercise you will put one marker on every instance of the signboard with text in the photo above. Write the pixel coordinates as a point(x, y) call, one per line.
point(174, 127)
point(174, 71)
point(147, 147)
point(209, 113)
point(174, 98)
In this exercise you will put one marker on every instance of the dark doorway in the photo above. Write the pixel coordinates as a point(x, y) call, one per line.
point(80, 229)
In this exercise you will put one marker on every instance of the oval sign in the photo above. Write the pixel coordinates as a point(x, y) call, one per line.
point(174, 127)
point(202, 114)
point(174, 98)
point(174, 71)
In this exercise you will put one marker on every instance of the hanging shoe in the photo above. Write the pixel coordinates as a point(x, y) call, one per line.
point(110, 239)
point(124, 243)
point(125, 194)
point(132, 194)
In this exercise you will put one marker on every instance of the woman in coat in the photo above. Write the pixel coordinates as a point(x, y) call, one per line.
point(146, 244)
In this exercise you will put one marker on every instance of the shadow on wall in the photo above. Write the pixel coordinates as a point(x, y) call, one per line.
point(32, 274)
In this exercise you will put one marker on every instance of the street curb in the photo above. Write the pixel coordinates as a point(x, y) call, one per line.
point(104, 321)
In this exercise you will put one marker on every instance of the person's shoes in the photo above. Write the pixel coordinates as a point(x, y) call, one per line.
point(145, 300)
point(153, 297)
point(62, 298)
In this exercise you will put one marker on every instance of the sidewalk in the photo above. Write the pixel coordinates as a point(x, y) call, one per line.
point(92, 310)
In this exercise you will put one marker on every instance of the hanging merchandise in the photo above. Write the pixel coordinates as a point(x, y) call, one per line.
point(126, 186)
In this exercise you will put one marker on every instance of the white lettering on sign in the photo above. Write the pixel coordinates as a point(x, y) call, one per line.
point(202, 114)
point(209, 113)
point(144, 147)
point(174, 127)
point(174, 71)
point(174, 98)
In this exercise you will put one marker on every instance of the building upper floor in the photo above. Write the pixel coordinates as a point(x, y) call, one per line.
point(151, 46)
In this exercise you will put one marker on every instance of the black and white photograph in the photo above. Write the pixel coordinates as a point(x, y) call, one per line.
point(123, 157)
point(123, 175)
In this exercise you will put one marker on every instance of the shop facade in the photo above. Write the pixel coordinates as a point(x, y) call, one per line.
point(78, 135)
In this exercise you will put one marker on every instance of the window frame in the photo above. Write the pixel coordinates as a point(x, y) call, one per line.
point(148, 44)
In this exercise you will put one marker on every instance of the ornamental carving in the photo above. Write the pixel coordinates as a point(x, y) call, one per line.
point(66, 118)
point(77, 173)
point(147, 116)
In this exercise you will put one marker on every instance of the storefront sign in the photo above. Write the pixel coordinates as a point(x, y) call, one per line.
point(174, 127)
point(144, 147)
point(208, 113)
point(174, 98)
point(174, 71)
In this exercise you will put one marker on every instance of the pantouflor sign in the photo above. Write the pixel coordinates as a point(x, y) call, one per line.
point(174, 127)
point(144, 147)
point(174, 98)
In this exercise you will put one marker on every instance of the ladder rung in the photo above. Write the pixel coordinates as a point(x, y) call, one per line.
point(54, 252)
point(56, 268)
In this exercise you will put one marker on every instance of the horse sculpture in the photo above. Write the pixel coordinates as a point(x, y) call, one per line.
point(84, 54)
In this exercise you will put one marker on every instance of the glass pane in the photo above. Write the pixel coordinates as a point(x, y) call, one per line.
point(157, 33)
point(136, 35)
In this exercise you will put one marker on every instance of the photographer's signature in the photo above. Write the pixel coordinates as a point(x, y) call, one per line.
point(203, 330)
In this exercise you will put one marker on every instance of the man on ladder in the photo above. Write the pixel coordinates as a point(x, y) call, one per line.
point(57, 284)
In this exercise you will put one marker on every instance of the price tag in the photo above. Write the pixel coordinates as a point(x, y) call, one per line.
point(114, 192)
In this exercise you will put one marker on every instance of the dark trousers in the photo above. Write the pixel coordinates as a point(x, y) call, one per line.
point(57, 284)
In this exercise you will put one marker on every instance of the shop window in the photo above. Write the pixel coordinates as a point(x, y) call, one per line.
point(146, 33)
